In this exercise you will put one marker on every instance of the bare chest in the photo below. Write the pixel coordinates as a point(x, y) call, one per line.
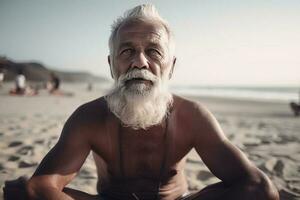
point(143, 156)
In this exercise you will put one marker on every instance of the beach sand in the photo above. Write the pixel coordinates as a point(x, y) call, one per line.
point(266, 131)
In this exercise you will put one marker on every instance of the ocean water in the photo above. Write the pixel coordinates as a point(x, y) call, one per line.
point(275, 94)
point(278, 94)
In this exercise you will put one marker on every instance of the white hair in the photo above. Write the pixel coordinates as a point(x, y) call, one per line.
point(144, 12)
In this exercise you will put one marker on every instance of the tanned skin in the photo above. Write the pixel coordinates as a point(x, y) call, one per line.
point(92, 127)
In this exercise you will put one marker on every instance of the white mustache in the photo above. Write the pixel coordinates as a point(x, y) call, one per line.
point(137, 73)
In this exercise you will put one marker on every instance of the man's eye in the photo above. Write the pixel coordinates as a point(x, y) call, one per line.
point(154, 52)
point(126, 52)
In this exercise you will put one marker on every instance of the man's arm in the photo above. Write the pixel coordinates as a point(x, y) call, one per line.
point(62, 163)
point(240, 178)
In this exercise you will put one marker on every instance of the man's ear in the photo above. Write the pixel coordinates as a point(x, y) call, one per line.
point(172, 68)
point(110, 66)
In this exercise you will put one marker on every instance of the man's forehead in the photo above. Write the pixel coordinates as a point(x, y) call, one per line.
point(127, 38)
point(147, 31)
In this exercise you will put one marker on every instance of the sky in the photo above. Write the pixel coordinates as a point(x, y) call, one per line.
point(218, 42)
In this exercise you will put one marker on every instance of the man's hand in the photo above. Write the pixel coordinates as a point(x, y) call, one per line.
point(15, 189)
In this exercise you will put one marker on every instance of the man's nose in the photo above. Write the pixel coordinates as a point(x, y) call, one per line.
point(140, 61)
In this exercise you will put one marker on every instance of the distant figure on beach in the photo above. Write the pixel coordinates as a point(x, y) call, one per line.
point(89, 87)
point(140, 133)
point(53, 84)
point(20, 85)
point(296, 107)
point(20, 82)
point(1, 76)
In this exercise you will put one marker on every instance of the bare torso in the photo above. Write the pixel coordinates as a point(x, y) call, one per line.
point(139, 161)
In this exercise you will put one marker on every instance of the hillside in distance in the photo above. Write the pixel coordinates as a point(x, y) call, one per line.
point(37, 72)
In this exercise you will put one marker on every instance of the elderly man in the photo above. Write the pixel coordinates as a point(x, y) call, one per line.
point(140, 133)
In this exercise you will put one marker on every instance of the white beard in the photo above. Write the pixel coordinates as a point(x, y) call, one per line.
point(138, 105)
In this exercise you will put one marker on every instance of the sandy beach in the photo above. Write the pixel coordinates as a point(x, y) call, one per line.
point(266, 131)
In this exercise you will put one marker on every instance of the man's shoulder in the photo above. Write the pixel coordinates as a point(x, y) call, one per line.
point(196, 119)
point(95, 110)
point(188, 106)
point(98, 104)
point(86, 120)
point(191, 111)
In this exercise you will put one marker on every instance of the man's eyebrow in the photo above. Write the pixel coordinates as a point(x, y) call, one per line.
point(125, 44)
point(155, 44)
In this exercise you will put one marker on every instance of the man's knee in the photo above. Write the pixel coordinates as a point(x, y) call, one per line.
point(264, 189)
point(261, 190)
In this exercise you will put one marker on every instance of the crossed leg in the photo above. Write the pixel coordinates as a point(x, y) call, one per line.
point(15, 190)
point(79, 195)
point(210, 192)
